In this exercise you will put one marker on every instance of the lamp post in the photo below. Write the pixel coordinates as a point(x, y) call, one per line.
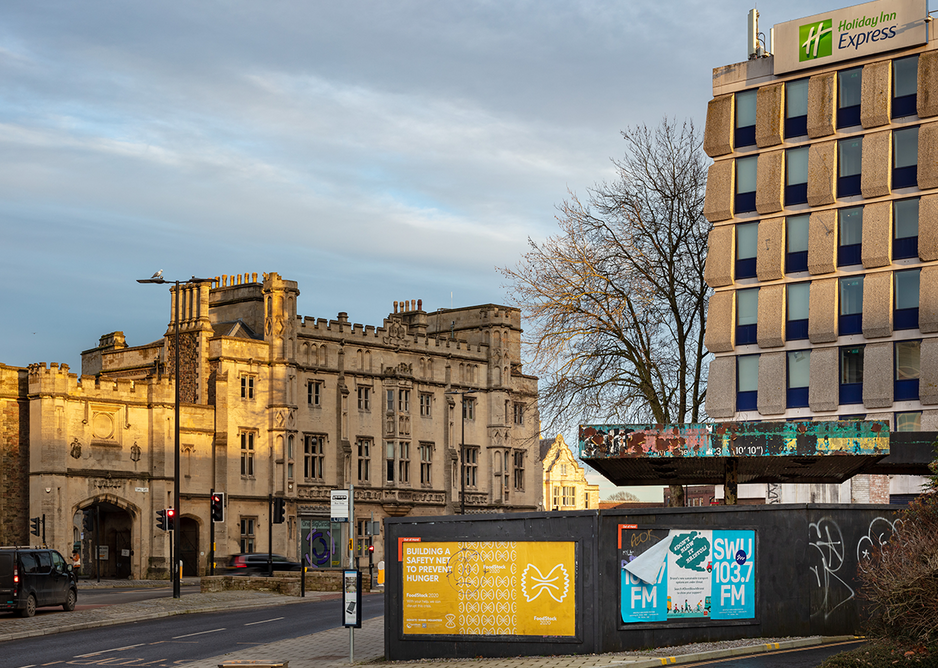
point(174, 538)
point(462, 450)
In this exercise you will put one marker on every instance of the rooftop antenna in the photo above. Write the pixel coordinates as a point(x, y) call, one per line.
point(755, 48)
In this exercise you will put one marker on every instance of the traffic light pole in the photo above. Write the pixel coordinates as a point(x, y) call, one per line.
point(177, 592)
point(270, 535)
point(211, 532)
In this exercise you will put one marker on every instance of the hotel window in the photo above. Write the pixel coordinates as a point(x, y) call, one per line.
point(403, 401)
point(468, 408)
point(908, 370)
point(796, 176)
point(747, 382)
point(389, 460)
point(364, 459)
point(909, 421)
point(426, 463)
point(403, 464)
point(314, 393)
point(799, 376)
point(569, 496)
point(851, 305)
point(313, 456)
point(247, 453)
point(745, 134)
point(364, 398)
point(905, 158)
point(849, 165)
point(746, 169)
point(905, 315)
point(796, 108)
point(904, 86)
point(518, 413)
point(247, 534)
point(849, 86)
point(851, 375)
point(905, 229)
point(796, 243)
point(747, 243)
point(472, 466)
point(518, 460)
point(247, 387)
point(849, 236)
point(747, 316)
point(797, 305)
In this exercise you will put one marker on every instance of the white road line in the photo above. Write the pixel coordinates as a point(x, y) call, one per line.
point(189, 635)
point(275, 619)
point(105, 651)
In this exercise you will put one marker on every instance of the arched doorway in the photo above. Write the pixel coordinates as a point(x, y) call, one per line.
point(189, 546)
point(106, 540)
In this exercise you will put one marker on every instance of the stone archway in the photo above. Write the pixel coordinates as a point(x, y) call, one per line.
point(107, 545)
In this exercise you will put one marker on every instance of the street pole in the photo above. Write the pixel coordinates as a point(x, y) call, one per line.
point(462, 451)
point(177, 514)
point(351, 552)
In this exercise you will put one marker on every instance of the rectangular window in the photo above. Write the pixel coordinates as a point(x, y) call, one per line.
point(799, 376)
point(314, 393)
point(389, 460)
point(851, 375)
point(796, 108)
point(904, 86)
point(849, 87)
point(849, 236)
point(247, 387)
point(747, 382)
point(909, 421)
point(364, 399)
point(905, 229)
point(403, 464)
point(905, 158)
point(518, 458)
point(796, 243)
point(747, 242)
point(798, 306)
point(849, 166)
point(313, 456)
point(403, 401)
point(426, 402)
point(745, 134)
point(569, 496)
point(426, 463)
point(746, 184)
point(518, 413)
point(247, 453)
point(747, 316)
point(851, 305)
point(290, 456)
point(468, 408)
point(908, 370)
point(796, 176)
point(472, 466)
point(247, 534)
point(556, 497)
point(389, 401)
point(906, 299)
point(364, 459)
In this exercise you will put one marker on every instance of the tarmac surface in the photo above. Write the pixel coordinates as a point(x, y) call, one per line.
point(330, 649)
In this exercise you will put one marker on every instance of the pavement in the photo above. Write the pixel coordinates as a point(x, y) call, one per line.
point(330, 649)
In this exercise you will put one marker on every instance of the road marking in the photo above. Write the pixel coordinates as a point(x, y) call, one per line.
point(275, 619)
point(105, 651)
point(188, 635)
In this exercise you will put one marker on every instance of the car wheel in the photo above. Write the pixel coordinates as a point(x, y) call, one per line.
point(30, 609)
point(70, 600)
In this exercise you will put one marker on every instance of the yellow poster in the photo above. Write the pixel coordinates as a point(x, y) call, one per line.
point(489, 588)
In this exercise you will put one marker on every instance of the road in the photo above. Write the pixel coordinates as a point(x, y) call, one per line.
point(163, 642)
point(96, 597)
point(803, 657)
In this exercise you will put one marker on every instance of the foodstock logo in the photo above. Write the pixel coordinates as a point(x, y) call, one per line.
point(816, 40)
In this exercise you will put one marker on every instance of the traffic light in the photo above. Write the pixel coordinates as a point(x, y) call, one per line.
point(218, 507)
point(280, 506)
point(34, 526)
point(170, 519)
point(371, 550)
point(87, 522)
point(161, 519)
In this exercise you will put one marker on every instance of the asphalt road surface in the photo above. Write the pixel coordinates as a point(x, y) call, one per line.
point(162, 642)
point(97, 597)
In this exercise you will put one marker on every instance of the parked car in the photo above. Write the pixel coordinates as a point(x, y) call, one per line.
point(32, 577)
point(256, 564)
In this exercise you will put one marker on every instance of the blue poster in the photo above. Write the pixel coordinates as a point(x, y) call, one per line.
point(645, 601)
point(733, 592)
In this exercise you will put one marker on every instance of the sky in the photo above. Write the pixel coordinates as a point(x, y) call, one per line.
point(370, 151)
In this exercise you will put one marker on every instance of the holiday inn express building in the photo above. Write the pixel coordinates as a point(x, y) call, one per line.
point(823, 255)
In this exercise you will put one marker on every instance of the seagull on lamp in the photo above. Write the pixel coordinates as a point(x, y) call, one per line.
point(158, 274)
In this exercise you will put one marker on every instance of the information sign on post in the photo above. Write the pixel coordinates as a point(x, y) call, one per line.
point(339, 505)
point(352, 598)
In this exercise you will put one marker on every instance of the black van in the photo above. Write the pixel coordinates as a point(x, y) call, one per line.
point(32, 577)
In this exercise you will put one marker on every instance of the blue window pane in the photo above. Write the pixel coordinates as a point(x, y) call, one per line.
point(796, 330)
point(905, 228)
point(746, 334)
point(905, 177)
point(746, 268)
point(797, 397)
point(906, 318)
point(905, 390)
point(744, 136)
point(851, 324)
point(796, 127)
point(851, 394)
point(904, 106)
point(796, 194)
point(905, 248)
point(747, 401)
point(795, 262)
point(847, 186)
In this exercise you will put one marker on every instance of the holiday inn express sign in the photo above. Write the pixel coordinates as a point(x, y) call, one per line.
point(853, 32)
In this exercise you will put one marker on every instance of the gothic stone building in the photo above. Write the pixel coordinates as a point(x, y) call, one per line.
point(273, 404)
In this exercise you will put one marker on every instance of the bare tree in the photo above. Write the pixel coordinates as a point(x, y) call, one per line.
point(617, 301)
point(622, 495)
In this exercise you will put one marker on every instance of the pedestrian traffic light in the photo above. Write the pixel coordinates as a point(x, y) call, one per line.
point(371, 549)
point(34, 526)
point(87, 522)
point(218, 507)
point(170, 519)
point(161, 520)
point(280, 506)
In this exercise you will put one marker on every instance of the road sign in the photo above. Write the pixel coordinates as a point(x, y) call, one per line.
point(339, 505)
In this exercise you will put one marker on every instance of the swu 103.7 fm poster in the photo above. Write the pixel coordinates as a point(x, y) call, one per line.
point(669, 574)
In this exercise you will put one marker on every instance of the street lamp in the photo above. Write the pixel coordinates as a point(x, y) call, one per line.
point(462, 450)
point(174, 538)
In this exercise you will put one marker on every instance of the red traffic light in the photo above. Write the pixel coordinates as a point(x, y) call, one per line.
point(371, 548)
point(170, 513)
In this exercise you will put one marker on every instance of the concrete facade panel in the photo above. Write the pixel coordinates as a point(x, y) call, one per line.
point(823, 390)
point(821, 97)
point(769, 115)
point(718, 134)
point(771, 329)
point(822, 242)
point(876, 175)
point(926, 99)
point(877, 305)
point(770, 260)
point(769, 188)
point(877, 375)
point(721, 256)
point(822, 311)
point(772, 385)
point(928, 156)
point(721, 322)
point(928, 300)
point(928, 383)
point(718, 201)
point(721, 388)
point(927, 234)
point(877, 234)
point(876, 94)
point(821, 173)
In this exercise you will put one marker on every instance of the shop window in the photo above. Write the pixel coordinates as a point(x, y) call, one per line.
point(849, 236)
point(747, 242)
point(796, 108)
point(745, 134)
point(746, 169)
point(796, 243)
point(905, 158)
point(905, 229)
point(849, 165)
point(798, 300)
point(849, 87)
point(904, 86)
point(799, 366)
point(851, 375)
point(747, 382)
point(906, 299)
point(908, 370)
point(796, 176)
point(908, 421)
point(747, 316)
point(851, 305)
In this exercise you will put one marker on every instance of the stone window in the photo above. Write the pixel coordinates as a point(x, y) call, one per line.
point(519, 413)
point(247, 453)
point(314, 393)
point(472, 466)
point(247, 386)
point(518, 456)
point(247, 534)
point(364, 398)
point(403, 401)
point(468, 408)
point(364, 459)
point(389, 460)
point(403, 464)
point(426, 463)
point(313, 456)
point(426, 402)
point(569, 496)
